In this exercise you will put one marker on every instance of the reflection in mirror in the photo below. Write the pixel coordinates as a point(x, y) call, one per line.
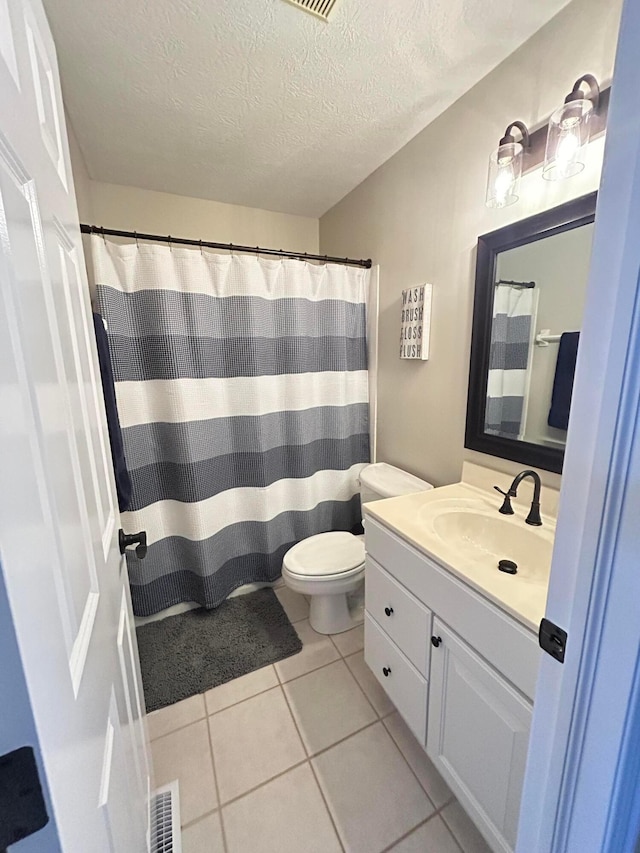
point(537, 312)
point(531, 279)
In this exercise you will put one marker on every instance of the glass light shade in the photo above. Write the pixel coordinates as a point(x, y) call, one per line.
point(567, 140)
point(505, 170)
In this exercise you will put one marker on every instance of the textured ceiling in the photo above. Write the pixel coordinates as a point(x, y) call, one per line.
point(257, 103)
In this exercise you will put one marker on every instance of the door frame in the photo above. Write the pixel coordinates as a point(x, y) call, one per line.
point(585, 736)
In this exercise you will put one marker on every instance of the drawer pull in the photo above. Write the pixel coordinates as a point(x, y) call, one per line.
point(386, 671)
point(435, 641)
point(388, 611)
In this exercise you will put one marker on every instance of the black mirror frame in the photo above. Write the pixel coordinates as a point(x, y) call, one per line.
point(565, 217)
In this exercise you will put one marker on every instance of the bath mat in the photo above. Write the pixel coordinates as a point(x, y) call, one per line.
point(195, 651)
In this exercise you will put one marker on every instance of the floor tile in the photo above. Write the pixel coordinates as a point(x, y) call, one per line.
point(433, 783)
point(175, 716)
point(349, 642)
point(373, 796)
point(328, 706)
point(369, 683)
point(253, 742)
point(317, 650)
point(293, 603)
point(431, 837)
point(205, 836)
point(465, 832)
point(287, 815)
point(185, 755)
point(241, 688)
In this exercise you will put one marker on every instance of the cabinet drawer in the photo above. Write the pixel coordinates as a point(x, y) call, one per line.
point(400, 614)
point(406, 688)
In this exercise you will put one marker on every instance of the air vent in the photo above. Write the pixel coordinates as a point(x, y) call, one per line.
point(319, 8)
point(165, 820)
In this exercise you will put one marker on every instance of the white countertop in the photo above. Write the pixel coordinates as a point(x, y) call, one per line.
point(428, 521)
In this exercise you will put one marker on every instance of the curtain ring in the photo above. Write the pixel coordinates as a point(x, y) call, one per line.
point(231, 248)
point(104, 239)
point(201, 252)
point(169, 242)
point(135, 234)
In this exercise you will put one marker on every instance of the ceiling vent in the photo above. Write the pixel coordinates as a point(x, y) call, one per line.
point(319, 8)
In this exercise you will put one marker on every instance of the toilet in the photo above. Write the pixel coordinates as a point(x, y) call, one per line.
point(329, 566)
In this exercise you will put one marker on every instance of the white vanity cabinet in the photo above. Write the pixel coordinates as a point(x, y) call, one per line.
point(461, 672)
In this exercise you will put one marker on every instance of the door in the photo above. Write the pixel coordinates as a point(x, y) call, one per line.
point(65, 579)
point(581, 791)
point(477, 736)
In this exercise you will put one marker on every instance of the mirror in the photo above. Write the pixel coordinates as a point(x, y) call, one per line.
point(531, 280)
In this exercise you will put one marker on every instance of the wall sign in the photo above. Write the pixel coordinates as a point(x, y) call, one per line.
point(416, 322)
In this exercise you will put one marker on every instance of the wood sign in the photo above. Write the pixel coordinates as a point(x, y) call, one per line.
point(416, 322)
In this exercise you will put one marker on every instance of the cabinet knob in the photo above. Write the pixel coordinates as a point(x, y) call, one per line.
point(386, 671)
point(388, 611)
point(435, 641)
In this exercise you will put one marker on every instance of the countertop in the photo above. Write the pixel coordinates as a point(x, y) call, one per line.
point(523, 595)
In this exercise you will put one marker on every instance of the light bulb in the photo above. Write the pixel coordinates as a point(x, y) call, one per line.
point(505, 168)
point(568, 147)
point(503, 185)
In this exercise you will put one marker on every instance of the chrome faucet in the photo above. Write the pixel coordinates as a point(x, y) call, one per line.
point(534, 512)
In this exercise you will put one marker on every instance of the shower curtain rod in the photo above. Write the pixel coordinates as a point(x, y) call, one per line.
point(232, 247)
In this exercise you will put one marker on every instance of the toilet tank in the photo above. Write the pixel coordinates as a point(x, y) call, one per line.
point(381, 480)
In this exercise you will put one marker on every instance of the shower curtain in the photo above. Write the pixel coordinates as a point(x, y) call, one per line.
point(513, 313)
point(242, 392)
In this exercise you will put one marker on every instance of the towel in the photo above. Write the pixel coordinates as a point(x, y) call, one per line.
point(123, 480)
point(563, 381)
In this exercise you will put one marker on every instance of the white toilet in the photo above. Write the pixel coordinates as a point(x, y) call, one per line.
point(330, 565)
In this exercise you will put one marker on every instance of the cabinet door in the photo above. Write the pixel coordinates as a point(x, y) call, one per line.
point(477, 736)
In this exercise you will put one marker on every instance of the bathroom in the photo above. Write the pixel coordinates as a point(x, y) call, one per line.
point(318, 750)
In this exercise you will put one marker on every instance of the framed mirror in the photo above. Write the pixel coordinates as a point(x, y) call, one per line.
point(531, 280)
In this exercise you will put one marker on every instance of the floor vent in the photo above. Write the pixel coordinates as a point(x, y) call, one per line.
point(165, 820)
point(319, 8)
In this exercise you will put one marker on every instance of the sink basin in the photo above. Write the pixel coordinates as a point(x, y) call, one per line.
point(485, 537)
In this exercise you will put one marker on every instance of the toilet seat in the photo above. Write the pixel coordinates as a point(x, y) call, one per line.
point(326, 556)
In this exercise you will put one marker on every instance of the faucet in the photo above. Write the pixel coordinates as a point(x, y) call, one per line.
point(534, 512)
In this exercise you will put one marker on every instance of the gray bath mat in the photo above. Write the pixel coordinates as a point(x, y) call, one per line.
point(192, 652)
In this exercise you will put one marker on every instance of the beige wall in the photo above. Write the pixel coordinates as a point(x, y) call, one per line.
point(133, 209)
point(419, 216)
point(81, 179)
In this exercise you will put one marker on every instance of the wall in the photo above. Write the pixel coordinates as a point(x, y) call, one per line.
point(419, 216)
point(81, 179)
point(133, 209)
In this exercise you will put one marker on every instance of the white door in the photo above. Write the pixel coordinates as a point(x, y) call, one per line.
point(477, 736)
point(581, 791)
point(65, 578)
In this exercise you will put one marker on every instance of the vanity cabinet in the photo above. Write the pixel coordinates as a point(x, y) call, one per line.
point(460, 671)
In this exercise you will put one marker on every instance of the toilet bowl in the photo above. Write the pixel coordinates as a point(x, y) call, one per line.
point(329, 566)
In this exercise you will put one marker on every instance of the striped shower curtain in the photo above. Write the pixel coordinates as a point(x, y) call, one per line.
point(513, 313)
point(242, 393)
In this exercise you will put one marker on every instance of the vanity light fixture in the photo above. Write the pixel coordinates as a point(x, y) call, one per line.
point(505, 166)
point(569, 131)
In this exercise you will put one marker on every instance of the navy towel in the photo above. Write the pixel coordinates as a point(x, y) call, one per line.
point(123, 480)
point(563, 382)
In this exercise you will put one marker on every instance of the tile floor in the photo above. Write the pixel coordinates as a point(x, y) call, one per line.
point(306, 756)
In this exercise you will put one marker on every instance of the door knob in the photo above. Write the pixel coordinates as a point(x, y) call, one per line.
point(435, 641)
point(388, 611)
point(125, 540)
point(386, 671)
